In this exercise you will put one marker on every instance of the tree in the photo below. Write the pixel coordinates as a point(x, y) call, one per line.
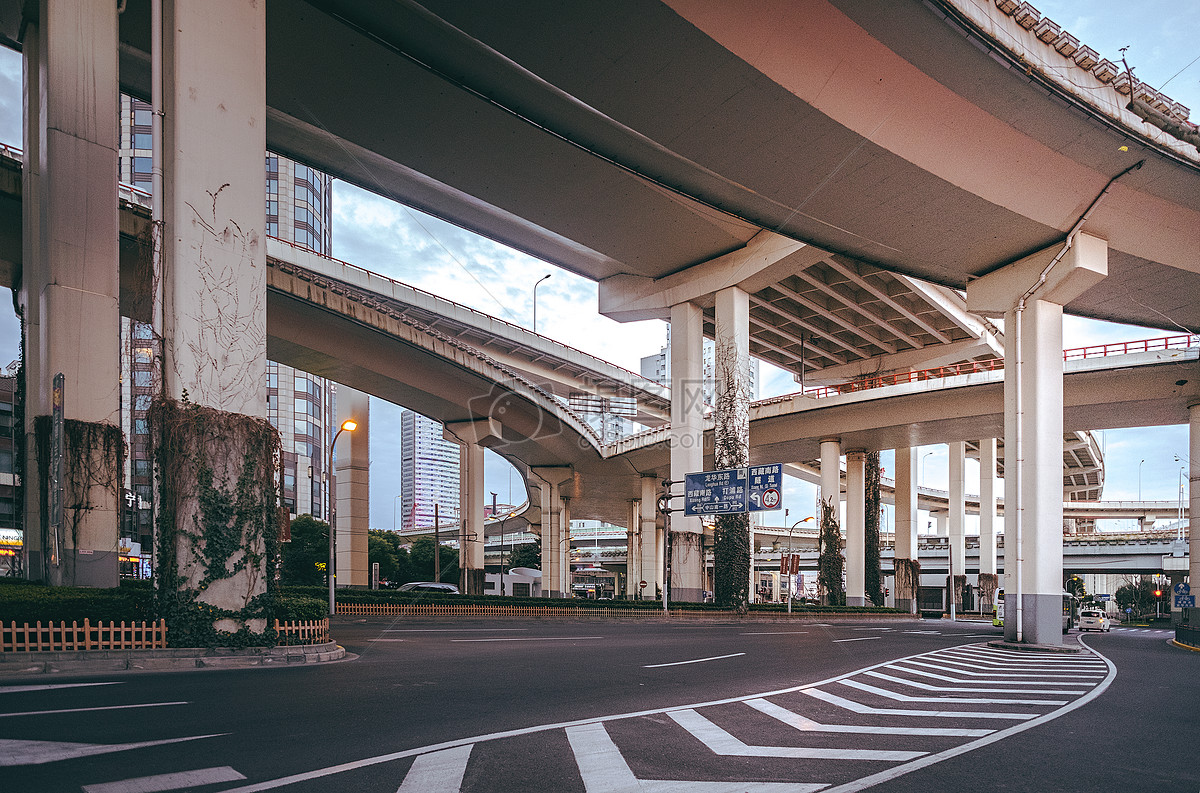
point(307, 555)
point(527, 554)
point(830, 563)
point(1139, 596)
point(1075, 586)
point(421, 557)
point(384, 547)
point(873, 579)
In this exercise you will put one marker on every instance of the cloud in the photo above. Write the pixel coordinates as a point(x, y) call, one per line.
point(11, 104)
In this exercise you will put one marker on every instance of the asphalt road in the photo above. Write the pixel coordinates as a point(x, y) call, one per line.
point(605, 706)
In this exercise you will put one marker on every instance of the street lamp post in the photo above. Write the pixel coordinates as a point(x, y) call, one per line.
point(790, 530)
point(535, 286)
point(921, 479)
point(1140, 480)
point(349, 425)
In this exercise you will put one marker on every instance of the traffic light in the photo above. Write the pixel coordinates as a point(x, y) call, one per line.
point(1158, 593)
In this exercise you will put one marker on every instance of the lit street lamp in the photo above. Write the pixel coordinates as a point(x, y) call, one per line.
point(1140, 480)
point(349, 425)
point(535, 286)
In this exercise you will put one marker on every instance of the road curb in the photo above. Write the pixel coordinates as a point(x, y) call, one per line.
point(1036, 648)
point(27, 664)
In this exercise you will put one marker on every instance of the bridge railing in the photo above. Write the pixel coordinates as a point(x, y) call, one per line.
point(634, 376)
point(1181, 342)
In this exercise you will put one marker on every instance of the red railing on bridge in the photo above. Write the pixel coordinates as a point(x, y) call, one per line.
point(992, 364)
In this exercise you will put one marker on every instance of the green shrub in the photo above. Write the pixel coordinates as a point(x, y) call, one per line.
point(298, 608)
point(36, 602)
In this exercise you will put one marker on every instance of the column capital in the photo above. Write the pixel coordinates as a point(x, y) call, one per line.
point(481, 432)
point(1082, 266)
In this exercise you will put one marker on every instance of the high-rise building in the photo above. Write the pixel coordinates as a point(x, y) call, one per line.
point(299, 210)
point(658, 368)
point(428, 472)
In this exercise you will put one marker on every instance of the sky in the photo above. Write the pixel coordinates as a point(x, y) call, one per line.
point(1163, 41)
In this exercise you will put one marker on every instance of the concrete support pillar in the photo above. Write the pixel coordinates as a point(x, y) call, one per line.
point(472, 501)
point(987, 506)
point(687, 445)
point(633, 551)
point(651, 548)
point(70, 281)
point(733, 538)
point(556, 531)
point(214, 136)
point(1194, 496)
point(906, 522)
point(831, 474)
point(353, 508)
point(1030, 295)
point(1034, 514)
point(473, 437)
point(856, 552)
point(958, 508)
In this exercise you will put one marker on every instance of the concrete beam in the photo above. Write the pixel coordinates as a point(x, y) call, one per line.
point(765, 260)
point(1083, 266)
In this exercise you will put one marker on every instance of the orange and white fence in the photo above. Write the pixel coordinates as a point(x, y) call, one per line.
point(310, 632)
point(59, 636)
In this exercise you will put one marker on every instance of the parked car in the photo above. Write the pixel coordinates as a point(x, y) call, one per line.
point(429, 586)
point(1094, 620)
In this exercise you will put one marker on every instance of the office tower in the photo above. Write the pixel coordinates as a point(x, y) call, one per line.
point(428, 473)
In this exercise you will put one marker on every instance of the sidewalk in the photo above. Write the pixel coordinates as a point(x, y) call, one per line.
point(95, 662)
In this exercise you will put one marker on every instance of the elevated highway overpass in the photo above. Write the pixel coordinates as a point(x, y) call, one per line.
point(758, 175)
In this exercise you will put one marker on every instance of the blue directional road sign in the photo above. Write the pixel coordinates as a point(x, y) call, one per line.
point(715, 492)
point(1185, 601)
point(1182, 588)
point(765, 487)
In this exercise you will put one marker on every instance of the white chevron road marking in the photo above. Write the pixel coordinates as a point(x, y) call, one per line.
point(936, 676)
point(858, 707)
point(721, 742)
point(163, 782)
point(882, 692)
point(604, 770)
point(438, 772)
point(19, 752)
point(966, 689)
point(806, 724)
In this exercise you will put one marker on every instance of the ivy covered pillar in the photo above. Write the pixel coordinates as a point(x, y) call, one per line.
point(733, 558)
point(856, 493)
point(67, 291)
point(215, 465)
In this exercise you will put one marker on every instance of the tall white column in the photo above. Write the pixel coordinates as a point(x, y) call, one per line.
point(214, 136)
point(906, 521)
point(1030, 294)
point(651, 539)
point(687, 446)
point(556, 530)
point(987, 506)
point(633, 547)
point(70, 282)
point(471, 504)
point(856, 550)
point(1038, 518)
point(1194, 497)
point(831, 475)
point(353, 494)
point(958, 508)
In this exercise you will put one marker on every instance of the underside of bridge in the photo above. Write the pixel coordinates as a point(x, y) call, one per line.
point(841, 188)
